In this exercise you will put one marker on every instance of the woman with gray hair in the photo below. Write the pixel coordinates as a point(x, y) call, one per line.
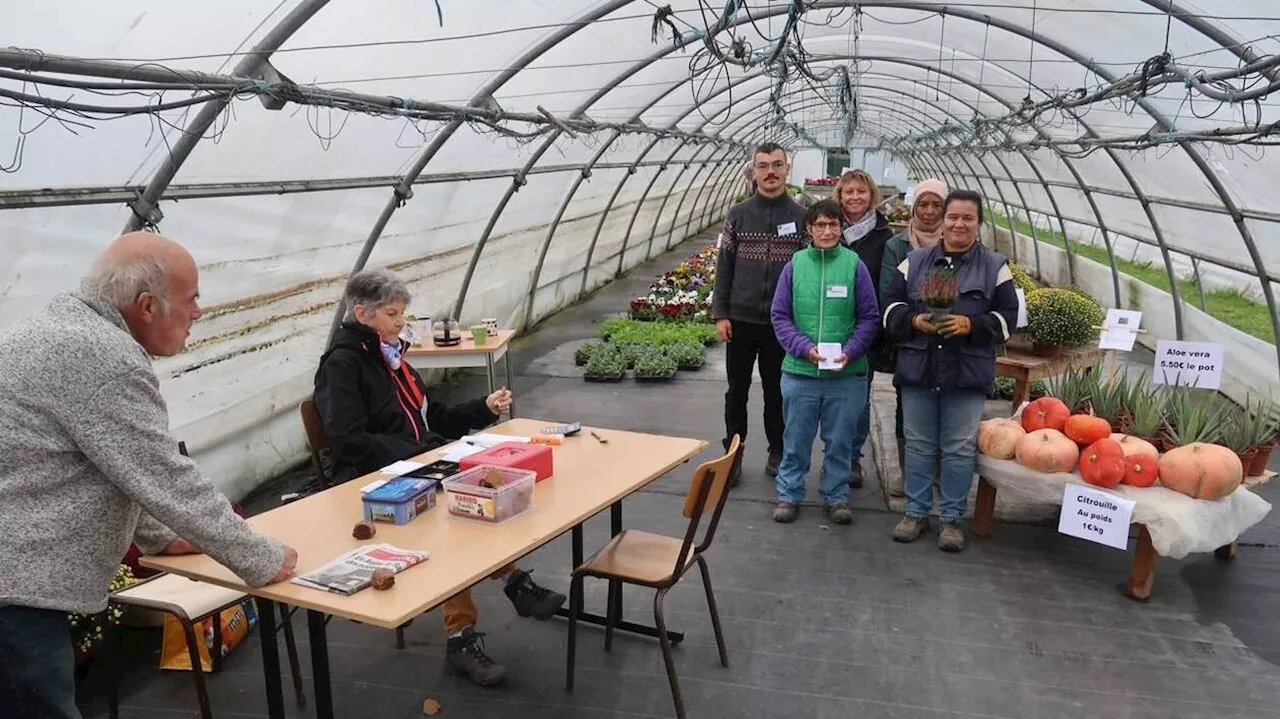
point(376, 411)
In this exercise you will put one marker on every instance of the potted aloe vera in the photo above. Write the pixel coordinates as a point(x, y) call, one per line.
point(1236, 432)
point(1192, 416)
point(1262, 424)
point(1144, 418)
point(1076, 388)
point(1112, 400)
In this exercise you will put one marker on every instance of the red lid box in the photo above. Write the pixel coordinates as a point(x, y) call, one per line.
point(534, 457)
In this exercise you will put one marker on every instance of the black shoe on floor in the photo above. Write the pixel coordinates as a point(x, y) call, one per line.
point(465, 655)
point(855, 479)
point(771, 467)
point(530, 599)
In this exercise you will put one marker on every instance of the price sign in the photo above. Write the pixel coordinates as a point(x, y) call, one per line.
point(1095, 515)
point(1120, 330)
point(1197, 364)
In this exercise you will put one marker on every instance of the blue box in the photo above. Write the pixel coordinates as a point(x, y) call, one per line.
point(399, 500)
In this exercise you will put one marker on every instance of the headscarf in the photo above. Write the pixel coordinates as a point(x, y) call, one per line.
point(916, 236)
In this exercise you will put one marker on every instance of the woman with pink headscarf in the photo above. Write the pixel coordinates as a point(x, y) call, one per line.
point(924, 230)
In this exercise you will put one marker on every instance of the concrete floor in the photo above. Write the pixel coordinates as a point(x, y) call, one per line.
point(821, 621)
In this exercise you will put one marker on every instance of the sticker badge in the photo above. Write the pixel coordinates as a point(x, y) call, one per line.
point(787, 229)
point(837, 292)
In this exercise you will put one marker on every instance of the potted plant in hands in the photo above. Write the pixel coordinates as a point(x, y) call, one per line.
point(1059, 318)
point(938, 292)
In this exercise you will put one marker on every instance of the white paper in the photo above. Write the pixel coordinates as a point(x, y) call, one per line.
point(1197, 364)
point(487, 440)
point(372, 486)
point(1119, 330)
point(830, 352)
point(457, 452)
point(787, 229)
point(1095, 515)
point(1022, 307)
point(404, 466)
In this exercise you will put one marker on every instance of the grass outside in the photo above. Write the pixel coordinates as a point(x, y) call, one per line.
point(1226, 305)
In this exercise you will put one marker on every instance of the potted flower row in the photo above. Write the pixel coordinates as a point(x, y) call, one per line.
point(609, 361)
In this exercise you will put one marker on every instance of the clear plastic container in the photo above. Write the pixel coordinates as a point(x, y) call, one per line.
point(467, 498)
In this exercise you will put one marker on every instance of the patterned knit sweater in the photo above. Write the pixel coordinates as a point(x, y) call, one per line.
point(760, 235)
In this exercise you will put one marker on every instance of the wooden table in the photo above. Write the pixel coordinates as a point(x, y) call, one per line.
point(466, 354)
point(589, 476)
point(1026, 368)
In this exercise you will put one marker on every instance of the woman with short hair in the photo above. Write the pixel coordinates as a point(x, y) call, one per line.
point(945, 367)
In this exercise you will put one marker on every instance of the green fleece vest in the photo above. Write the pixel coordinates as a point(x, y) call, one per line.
point(822, 305)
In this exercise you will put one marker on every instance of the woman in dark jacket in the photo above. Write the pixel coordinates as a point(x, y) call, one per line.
point(944, 369)
point(376, 411)
point(865, 230)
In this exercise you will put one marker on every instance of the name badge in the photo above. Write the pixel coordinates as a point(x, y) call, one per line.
point(787, 229)
point(837, 292)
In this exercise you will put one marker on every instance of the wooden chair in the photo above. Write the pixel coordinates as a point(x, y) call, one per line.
point(191, 602)
point(658, 561)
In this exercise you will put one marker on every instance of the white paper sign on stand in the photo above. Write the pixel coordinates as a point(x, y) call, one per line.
point(1022, 307)
point(1195, 364)
point(1095, 515)
point(1120, 330)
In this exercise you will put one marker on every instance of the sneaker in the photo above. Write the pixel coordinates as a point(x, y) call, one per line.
point(785, 512)
point(840, 513)
point(855, 479)
point(951, 537)
point(530, 599)
point(771, 467)
point(910, 529)
point(465, 655)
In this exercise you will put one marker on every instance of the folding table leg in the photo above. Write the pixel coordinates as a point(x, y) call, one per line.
point(320, 664)
point(270, 657)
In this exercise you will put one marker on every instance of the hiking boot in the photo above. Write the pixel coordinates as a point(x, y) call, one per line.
point(951, 537)
point(840, 513)
point(465, 655)
point(910, 529)
point(785, 512)
point(530, 599)
point(771, 466)
point(855, 479)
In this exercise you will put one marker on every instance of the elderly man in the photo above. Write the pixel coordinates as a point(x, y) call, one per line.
point(376, 410)
point(90, 464)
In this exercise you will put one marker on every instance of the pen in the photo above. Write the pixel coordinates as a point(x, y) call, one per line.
point(599, 439)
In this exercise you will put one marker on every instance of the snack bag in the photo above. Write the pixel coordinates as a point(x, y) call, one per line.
point(235, 624)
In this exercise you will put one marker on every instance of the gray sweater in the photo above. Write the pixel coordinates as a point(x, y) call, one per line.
point(89, 465)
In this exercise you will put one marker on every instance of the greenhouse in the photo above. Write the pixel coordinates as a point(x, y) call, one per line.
point(596, 230)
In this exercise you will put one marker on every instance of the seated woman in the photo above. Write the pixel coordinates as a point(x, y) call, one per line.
point(376, 411)
point(825, 296)
point(945, 366)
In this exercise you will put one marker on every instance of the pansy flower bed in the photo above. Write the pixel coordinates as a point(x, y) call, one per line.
point(681, 294)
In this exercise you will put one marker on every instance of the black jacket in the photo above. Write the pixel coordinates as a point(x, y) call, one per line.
point(870, 247)
point(752, 254)
point(373, 415)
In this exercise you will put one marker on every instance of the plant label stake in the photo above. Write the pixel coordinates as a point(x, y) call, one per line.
point(1118, 332)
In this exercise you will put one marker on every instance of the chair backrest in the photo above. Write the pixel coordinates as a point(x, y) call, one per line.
point(317, 439)
point(708, 488)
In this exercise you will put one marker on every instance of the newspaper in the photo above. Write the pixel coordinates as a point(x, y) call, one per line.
point(353, 571)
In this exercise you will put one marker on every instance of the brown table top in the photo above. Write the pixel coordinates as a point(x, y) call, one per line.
point(466, 346)
point(1030, 361)
point(589, 476)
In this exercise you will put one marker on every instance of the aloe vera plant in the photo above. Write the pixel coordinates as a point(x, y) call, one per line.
point(1235, 430)
point(1075, 387)
point(1261, 421)
point(1112, 399)
point(1193, 416)
point(1146, 410)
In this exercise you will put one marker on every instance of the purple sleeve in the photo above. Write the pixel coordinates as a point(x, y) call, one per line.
point(793, 341)
point(868, 320)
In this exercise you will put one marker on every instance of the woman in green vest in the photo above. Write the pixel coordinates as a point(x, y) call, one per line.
point(825, 317)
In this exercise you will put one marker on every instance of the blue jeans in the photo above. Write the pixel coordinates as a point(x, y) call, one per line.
point(940, 422)
point(37, 664)
point(834, 404)
point(864, 422)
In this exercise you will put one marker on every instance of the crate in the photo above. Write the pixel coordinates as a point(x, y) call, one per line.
point(467, 499)
point(399, 500)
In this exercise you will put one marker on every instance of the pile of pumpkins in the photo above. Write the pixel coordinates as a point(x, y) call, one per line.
point(1049, 438)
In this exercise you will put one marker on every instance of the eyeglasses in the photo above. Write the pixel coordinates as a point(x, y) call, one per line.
point(825, 226)
point(777, 165)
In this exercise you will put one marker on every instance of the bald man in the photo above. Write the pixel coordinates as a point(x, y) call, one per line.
point(88, 464)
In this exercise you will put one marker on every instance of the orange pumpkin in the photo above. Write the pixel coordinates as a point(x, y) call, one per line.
point(1203, 471)
point(1134, 445)
point(999, 437)
point(1045, 413)
point(1047, 450)
point(1141, 470)
point(1102, 463)
point(1085, 429)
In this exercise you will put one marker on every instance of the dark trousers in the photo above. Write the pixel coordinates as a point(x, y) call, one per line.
point(752, 342)
point(37, 664)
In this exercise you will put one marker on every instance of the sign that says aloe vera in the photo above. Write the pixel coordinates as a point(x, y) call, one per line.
point(1191, 364)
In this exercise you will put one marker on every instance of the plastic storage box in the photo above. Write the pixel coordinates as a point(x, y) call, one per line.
point(517, 455)
point(468, 498)
point(399, 500)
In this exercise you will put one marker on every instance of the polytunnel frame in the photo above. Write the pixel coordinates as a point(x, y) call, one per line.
point(258, 59)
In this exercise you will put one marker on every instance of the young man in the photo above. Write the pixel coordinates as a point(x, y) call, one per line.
point(760, 235)
point(376, 411)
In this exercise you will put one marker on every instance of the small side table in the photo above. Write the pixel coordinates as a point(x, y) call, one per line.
point(1024, 368)
point(467, 354)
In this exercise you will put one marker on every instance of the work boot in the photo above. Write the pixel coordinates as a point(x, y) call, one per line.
point(775, 459)
point(735, 472)
point(465, 655)
point(840, 513)
point(951, 537)
point(530, 599)
point(785, 512)
point(855, 479)
point(910, 528)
